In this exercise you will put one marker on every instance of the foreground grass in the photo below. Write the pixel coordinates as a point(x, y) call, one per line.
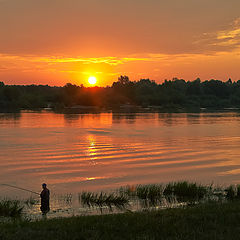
point(204, 221)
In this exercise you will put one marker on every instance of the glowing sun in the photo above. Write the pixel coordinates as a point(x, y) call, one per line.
point(92, 80)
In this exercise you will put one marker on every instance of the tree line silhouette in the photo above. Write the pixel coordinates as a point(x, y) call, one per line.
point(175, 93)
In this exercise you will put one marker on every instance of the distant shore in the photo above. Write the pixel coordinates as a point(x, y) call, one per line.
point(125, 95)
point(120, 109)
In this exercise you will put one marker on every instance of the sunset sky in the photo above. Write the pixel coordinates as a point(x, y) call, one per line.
point(58, 41)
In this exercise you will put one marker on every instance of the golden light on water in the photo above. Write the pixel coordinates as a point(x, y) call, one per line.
point(92, 150)
point(92, 80)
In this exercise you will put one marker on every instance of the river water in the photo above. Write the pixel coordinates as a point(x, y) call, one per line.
point(76, 152)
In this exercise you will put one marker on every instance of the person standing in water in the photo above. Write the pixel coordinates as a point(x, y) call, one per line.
point(45, 196)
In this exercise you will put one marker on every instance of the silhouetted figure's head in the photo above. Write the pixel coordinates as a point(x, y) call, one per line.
point(44, 185)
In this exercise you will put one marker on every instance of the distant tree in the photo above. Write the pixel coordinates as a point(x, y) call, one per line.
point(71, 93)
point(11, 93)
point(194, 88)
point(215, 87)
point(123, 80)
point(179, 84)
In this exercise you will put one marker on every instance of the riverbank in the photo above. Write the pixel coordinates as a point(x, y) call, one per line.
point(204, 221)
point(124, 94)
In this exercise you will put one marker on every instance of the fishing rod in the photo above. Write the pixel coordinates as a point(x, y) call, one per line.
point(24, 189)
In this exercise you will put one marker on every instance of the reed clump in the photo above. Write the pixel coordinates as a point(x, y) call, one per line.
point(185, 191)
point(102, 200)
point(10, 208)
point(153, 195)
point(233, 192)
point(31, 201)
point(67, 198)
point(150, 195)
point(129, 190)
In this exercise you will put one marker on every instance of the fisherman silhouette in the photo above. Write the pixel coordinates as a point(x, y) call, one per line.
point(45, 195)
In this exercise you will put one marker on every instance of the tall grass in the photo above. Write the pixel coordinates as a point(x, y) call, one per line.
point(30, 201)
point(102, 200)
point(233, 192)
point(185, 191)
point(10, 208)
point(66, 198)
point(153, 195)
point(150, 195)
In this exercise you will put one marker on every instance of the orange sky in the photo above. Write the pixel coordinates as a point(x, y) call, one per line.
point(58, 41)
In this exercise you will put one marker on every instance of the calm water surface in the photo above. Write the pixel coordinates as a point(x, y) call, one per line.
point(77, 152)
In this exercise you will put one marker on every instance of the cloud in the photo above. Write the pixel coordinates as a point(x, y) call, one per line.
point(226, 40)
point(113, 61)
point(64, 64)
point(61, 59)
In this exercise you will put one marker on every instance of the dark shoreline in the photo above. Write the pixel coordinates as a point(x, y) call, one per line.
point(137, 109)
point(170, 95)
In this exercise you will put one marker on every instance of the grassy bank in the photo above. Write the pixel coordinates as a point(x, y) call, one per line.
point(204, 221)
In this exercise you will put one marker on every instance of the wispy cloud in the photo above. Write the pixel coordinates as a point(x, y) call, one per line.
point(61, 59)
point(226, 40)
point(31, 63)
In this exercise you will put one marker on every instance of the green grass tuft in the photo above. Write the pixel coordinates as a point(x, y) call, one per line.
point(151, 195)
point(185, 191)
point(102, 200)
point(30, 202)
point(10, 208)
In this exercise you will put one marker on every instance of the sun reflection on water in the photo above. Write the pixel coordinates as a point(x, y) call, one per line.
point(92, 150)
